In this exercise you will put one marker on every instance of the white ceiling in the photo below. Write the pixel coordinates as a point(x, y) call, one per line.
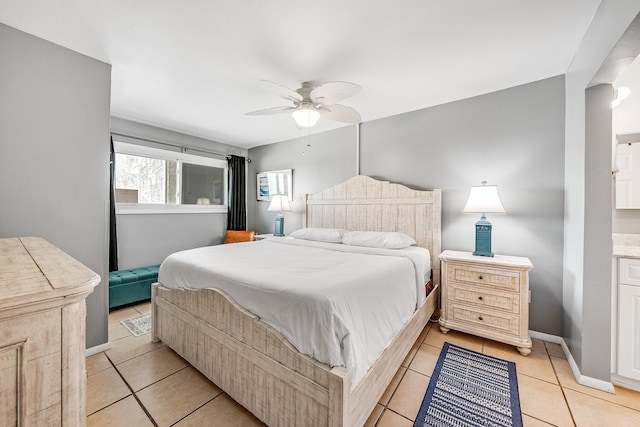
point(193, 66)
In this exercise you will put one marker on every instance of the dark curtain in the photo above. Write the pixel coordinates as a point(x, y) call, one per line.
point(237, 217)
point(113, 235)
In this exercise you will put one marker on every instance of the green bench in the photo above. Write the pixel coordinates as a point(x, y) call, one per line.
point(130, 286)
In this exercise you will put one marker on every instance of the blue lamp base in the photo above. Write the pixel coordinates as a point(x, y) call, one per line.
point(483, 238)
point(279, 229)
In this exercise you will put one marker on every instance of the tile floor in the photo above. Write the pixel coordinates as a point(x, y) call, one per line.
point(140, 383)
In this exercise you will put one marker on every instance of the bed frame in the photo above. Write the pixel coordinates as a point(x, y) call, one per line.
point(256, 365)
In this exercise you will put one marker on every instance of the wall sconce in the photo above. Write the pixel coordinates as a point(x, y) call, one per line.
point(482, 199)
point(620, 94)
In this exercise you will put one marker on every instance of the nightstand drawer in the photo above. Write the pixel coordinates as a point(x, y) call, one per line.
point(483, 320)
point(484, 298)
point(499, 279)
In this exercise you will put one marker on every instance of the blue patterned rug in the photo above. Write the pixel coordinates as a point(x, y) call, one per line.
point(469, 389)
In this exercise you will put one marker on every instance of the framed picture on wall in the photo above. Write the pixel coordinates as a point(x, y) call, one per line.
point(274, 182)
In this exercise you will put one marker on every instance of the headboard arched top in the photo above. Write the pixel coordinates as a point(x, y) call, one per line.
point(368, 204)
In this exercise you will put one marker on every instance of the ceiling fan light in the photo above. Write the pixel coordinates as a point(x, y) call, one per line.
point(306, 117)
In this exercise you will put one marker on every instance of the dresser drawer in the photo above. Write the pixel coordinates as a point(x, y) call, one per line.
point(484, 298)
point(499, 279)
point(480, 319)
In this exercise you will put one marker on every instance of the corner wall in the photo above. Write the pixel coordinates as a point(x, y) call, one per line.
point(54, 155)
point(597, 239)
point(318, 161)
point(589, 350)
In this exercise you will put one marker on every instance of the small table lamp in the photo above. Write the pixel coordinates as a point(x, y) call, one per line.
point(279, 203)
point(482, 199)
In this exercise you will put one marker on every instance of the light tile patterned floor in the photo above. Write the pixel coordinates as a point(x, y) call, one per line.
point(139, 383)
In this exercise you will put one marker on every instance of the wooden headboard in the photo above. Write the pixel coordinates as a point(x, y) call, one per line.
point(363, 203)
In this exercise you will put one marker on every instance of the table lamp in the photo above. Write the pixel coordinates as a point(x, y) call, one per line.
point(482, 199)
point(279, 203)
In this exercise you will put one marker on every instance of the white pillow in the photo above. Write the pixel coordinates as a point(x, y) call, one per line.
point(378, 239)
point(329, 235)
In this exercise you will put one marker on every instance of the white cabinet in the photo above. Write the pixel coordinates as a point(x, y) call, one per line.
point(629, 318)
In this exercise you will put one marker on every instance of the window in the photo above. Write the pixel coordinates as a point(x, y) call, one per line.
point(202, 185)
point(154, 180)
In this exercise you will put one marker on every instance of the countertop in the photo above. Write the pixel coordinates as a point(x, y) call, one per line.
point(626, 245)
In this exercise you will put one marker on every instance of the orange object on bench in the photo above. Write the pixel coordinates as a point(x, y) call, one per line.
point(235, 236)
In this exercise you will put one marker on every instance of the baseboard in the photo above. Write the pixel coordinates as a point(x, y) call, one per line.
point(546, 337)
point(97, 349)
point(625, 382)
point(581, 379)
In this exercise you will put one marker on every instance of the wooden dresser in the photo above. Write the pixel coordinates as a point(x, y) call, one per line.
point(486, 296)
point(42, 334)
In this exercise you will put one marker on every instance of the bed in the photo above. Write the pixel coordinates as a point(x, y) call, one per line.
point(256, 365)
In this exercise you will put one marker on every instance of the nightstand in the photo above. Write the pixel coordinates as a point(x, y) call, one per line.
point(487, 297)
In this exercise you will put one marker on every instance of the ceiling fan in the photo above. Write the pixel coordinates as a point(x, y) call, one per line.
point(310, 102)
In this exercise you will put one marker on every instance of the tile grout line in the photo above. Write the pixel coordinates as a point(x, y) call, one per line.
point(137, 355)
point(542, 421)
point(198, 408)
point(385, 407)
point(398, 413)
point(109, 405)
point(610, 402)
point(133, 393)
point(539, 379)
point(564, 396)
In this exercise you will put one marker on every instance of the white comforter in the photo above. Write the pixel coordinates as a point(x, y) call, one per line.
point(339, 304)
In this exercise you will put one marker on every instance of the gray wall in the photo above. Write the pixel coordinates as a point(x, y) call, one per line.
point(581, 333)
point(54, 154)
point(318, 161)
point(626, 221)
point(597, 237)
point(512, 138)
point(147, 239)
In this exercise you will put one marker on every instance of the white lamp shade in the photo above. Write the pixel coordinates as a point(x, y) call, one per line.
point(484, 199)
point(306, 117)
point(279, 203)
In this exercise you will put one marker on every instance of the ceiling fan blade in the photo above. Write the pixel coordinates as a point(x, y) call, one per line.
point(272, 110)
point(280, 90)
point(332, 92)
point(340, 113)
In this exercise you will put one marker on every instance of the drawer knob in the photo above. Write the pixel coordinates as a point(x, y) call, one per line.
point(479, 317)
point(480, 298)
point(479, 277)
